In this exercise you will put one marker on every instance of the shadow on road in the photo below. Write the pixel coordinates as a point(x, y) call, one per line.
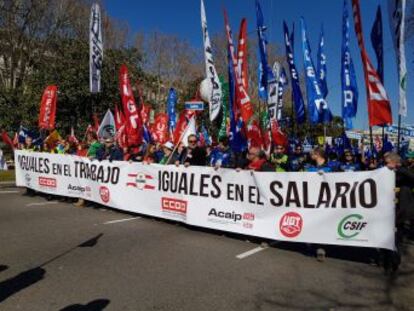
point(91, 242)
point(95, 305)
point(21, 281)
point(27, 278)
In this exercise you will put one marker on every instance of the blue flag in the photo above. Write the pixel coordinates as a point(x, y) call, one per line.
point(348, 77)
point(265, 72)
point(297, 97)
point(146, 135)
point(321, 65)
point(377, 43)
point(238, 142)
point(318, 109)
point(171, 103)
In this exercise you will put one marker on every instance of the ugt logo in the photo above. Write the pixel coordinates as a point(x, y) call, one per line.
point(141, 181)
point(290, 224)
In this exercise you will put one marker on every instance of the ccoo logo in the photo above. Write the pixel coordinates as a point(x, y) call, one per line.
point(290, 224)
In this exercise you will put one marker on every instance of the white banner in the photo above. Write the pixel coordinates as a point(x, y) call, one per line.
point(355, 209)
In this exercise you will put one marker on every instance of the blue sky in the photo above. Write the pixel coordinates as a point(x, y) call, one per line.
point(182, 17)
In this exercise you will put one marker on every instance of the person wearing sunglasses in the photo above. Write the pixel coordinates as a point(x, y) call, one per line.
point(193, 154)
point(348, 163)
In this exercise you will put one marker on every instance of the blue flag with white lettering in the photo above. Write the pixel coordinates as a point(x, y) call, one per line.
point(321, 65)
point(297, 97)
point(348, 77)
point(171, 103)
point(318, 109)
point(265, 72)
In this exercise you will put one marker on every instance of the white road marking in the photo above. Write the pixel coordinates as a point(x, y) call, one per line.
point(41, 203)
point(120, 220)
point(8, 191)
point(251, 252)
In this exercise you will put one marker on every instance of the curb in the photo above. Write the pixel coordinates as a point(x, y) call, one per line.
point(7, 183)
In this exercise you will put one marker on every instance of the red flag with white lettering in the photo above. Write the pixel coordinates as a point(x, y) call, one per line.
point(182, 125)
point(379, 108)
point(159, 129)
point(243, 102)
point(119, 118)
point(133, 127)
point(47, 113)
point(242, 54)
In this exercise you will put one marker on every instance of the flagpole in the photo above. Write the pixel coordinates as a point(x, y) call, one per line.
point(399, 133)
point(371, 140)
point(181, 138)
point(383, 138)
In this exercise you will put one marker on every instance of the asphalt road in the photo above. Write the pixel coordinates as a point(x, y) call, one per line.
point(54, 256)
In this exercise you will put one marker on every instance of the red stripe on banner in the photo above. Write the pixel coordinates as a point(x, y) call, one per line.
point(132, 184)
point(132, 175)
point(149, 187)
point(148, 177)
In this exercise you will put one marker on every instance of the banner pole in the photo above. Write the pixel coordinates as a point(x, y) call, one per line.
point(371, 140)
point(181, 138)
point(399, 134)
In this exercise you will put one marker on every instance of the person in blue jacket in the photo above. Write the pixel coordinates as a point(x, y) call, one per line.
point(222, 155)
point(320, 164)
point(349, 163)
point(109, 151)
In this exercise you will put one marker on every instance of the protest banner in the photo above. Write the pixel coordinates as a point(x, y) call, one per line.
point(354, 209)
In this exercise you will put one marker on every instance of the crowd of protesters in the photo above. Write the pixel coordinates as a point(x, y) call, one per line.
point(282, 158)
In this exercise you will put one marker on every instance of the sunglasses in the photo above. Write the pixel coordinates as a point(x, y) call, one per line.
point(192, 141)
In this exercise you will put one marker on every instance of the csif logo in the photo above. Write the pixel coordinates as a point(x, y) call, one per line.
point(141, 181)
point(351, 225)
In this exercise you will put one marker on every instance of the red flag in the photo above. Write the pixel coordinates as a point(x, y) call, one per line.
point(278, 137)
point(47, 113)
point(119, 118)
point(159, 129)
point(72, 138)
point(242, 98)
point(133, 121)
point(254, 135)
point(182, 125)
point(6, 139)
point(379, 109)
point(242, 55)
point(145, 113)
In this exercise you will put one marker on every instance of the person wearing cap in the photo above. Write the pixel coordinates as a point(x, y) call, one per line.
point(109, 151)
point(169, 157)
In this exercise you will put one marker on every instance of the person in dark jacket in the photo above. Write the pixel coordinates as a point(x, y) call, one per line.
point(404, 206)
point(109, 151)
point(193, 154)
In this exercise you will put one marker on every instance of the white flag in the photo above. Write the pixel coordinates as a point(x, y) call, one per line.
point(211, 73)
point(107, 126)
point(190, 130)
point(397, 24)
point(95, 49)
